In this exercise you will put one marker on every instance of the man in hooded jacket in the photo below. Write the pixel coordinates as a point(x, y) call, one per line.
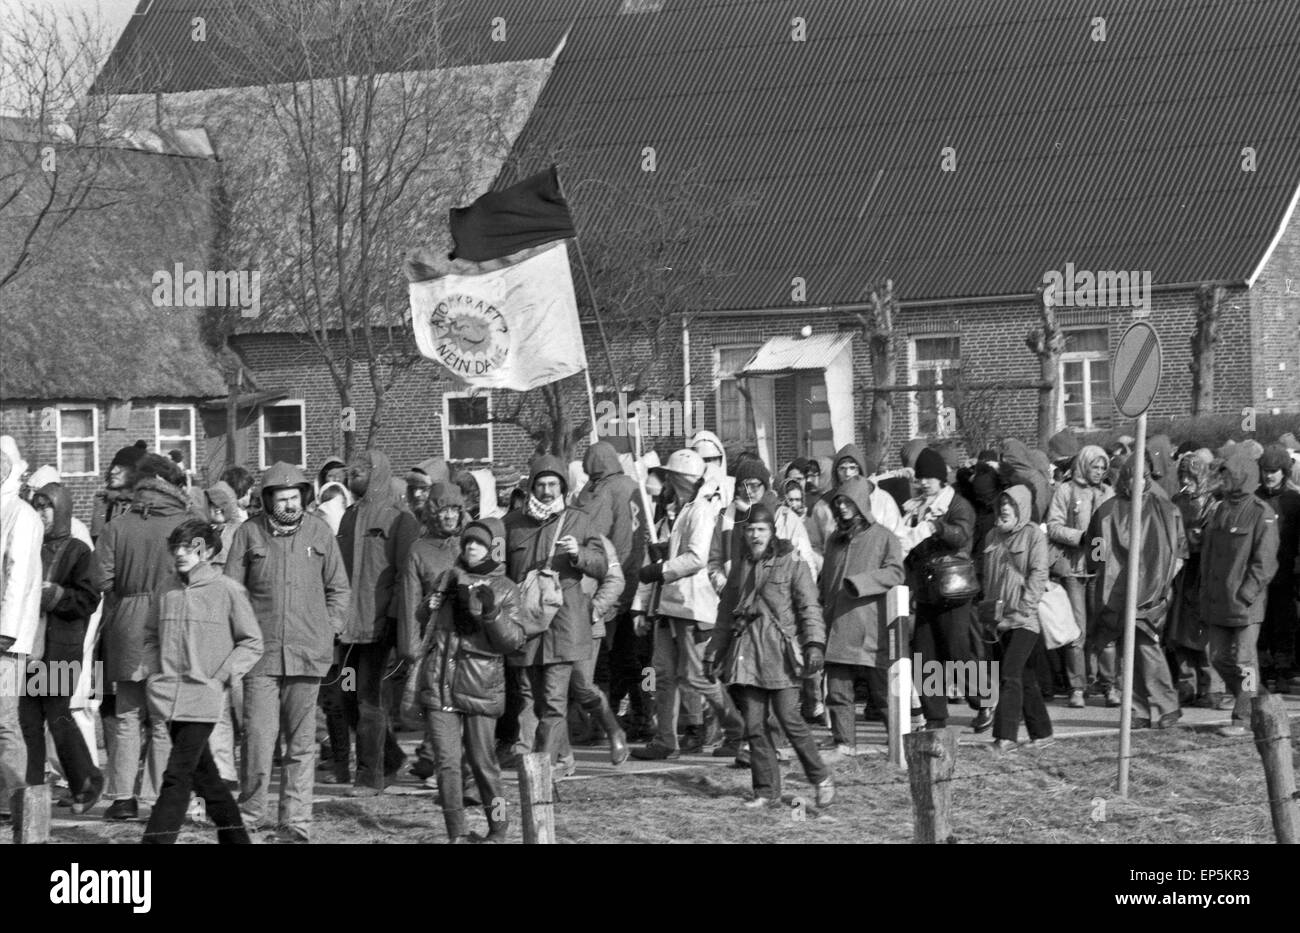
point(1164, 548)
point(133, 563)
point(375, 537)
point(863, 561)
point(291, 566)
point(1238, 560)
point(546, 534)
point(115, 498)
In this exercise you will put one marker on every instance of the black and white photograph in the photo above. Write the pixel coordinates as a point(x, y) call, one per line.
point(655, 422)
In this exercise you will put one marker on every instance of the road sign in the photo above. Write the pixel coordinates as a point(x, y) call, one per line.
point(1135, 371)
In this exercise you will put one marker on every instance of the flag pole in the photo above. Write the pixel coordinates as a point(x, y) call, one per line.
point(591, 404)
point(591, 295)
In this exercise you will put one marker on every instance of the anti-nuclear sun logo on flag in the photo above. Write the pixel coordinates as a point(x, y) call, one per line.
point(470, 335)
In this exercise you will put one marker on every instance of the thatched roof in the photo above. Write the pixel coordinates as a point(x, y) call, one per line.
point(79, 322)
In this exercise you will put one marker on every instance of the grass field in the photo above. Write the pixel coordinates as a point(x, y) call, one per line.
point(1188, 786)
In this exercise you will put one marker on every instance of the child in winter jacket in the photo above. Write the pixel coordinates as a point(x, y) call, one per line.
point(201, 632)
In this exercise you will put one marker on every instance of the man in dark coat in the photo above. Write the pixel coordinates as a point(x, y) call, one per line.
point(291, 566)
point(545, 534)
point(1238, 561)
point(132, 565)
point(115, 498)
point(1278, 633)
point(375, 537)
point(68, 599)
point(1164, 548)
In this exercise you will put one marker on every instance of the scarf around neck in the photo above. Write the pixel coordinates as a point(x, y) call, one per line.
point(540, 512)
point(282, 524)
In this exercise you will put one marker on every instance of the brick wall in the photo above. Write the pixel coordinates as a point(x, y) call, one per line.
point(22, 420)
point(1275, 310)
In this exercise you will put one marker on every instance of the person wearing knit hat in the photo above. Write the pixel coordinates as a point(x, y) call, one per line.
point(1277, 634)
point(472, 618)
point(770, 600)
point(115, 497)
point(938, 524)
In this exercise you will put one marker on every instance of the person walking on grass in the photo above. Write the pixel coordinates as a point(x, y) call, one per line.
point(201, 632)
point(1014, 571)
point(768, 639)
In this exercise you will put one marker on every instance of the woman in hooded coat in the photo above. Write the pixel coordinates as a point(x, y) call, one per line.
point(1199, 683)
point(1014, 569)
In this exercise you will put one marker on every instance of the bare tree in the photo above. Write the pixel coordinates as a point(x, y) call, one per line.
point(365, 132)
point(1209, 311)
point(878, 329)
point(1046, 340)
point(55, 134)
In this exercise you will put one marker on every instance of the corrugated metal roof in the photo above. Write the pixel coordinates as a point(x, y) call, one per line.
point(792, 354)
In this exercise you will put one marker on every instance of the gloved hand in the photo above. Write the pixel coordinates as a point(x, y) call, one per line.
point(657, 550)
point(640, 624)
point(51, 593)
point(651, 573)
point(814, 660)
point(487, 599)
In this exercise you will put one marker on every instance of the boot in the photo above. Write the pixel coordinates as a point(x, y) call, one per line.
point(496, 833)
point(617, 739)
point(692, 742)
point(455, 820)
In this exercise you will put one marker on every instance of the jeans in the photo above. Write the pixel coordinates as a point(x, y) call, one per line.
point(943, 634)
point(1154, 695)
point(35, 713)
point(544, 688)
point(1277, 634)
point(840, 701)
point(583, 691)
point(755, 705)
point(679, 666)
point(285, 707)
point(1085, 665)
point(1018, 688)
point(130, 707)
point(13, 748)
point(1232, 652)
point(190, 767)
point(457, 735)
point(1196, 675)
point(377, 749)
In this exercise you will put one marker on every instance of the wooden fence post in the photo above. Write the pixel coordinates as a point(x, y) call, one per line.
point(931, 760)
point(1272, 727)
point(536, 798)
point(899, 720)
point(31, 813)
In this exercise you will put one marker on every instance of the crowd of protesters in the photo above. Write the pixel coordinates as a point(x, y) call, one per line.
point(298, 627)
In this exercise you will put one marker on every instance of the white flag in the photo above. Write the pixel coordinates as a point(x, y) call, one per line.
point(512, 325)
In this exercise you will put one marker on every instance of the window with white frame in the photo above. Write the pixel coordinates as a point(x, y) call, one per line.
point(284, 433)
point(174, 430)
point(735, 426)
point(932, 360)
point(467, 426)
point(78, 431)
point(1084, 373)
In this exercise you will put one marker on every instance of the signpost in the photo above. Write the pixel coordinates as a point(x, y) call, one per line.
point(1134, 379)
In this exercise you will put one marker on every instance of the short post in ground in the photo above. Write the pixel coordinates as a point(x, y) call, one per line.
point(931, 761)
point(537, 798)
point(1272, 728)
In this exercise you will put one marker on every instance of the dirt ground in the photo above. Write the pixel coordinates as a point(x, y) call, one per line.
point(1188, 786)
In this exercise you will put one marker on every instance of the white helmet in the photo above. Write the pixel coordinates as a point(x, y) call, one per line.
point(686, 463)
point(706, 448)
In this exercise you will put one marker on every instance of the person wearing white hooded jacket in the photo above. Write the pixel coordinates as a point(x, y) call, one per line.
point(21, 535)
